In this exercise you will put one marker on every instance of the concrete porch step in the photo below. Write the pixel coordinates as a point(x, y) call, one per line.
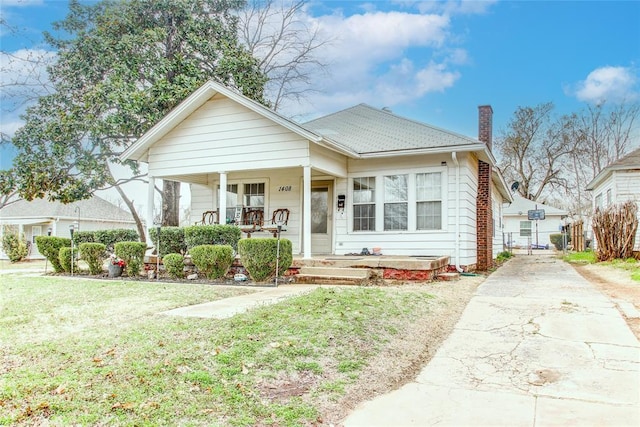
point(333, 275)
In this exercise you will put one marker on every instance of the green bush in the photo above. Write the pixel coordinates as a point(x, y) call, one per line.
point(94, 254)
point(212, 260)
point(171, 240)
point(174, 265)
point(218, 234)
point(557, 240)
point(503, 256)
point(49, 246)
point(64, 257)
point(110, 237)
point(132, 253)
point(14, 246)
point(259, 257)
point(80, 237)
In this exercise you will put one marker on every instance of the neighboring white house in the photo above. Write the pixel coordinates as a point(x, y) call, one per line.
point(617, 183)
point(359, 178)
point(41, 217)
point(520, 231)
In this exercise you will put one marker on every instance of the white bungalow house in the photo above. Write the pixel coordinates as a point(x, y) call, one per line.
point(618, 183)
point(359, 178)
point(520, 230)
point(41, 217)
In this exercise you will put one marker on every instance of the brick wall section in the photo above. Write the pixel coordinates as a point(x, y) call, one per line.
point(484, 218)
point(485, 125)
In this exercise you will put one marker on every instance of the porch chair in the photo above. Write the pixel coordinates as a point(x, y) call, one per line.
point(252, 221)
point(209, 218)
point(279, 216)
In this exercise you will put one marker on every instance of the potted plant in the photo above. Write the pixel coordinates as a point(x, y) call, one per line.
point(116, 265)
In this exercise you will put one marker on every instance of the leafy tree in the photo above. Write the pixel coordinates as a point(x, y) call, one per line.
point(122, 66)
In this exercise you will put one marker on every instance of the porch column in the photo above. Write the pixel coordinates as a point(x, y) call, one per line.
point(150, 200)
point(222, 199)
point(306, 215)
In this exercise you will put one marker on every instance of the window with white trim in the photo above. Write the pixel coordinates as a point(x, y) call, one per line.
point(396, 202)
point(364, 204)
point(232, 201)
point(525, 228)
point(254, 195)
point(429, 201)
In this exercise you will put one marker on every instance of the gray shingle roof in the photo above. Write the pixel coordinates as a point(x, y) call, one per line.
point(366, 130)
point(630, 161)
point(94, 208)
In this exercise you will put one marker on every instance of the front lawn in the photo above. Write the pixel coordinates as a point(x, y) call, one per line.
point(589, 257)
point(90, 352)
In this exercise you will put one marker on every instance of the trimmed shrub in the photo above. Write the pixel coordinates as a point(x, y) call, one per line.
point(174, 265)
point(64, 257)
point(557, 240)
point(93, 254)
point(14, 246)
point(259, 257)
point(218, 234)
point(80, 237)
point(110, 237)
point(49, 246)
point(171, 240)
point(132, 253)
point(212, 260)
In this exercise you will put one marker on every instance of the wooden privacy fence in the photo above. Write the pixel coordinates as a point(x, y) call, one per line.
point(577, 236)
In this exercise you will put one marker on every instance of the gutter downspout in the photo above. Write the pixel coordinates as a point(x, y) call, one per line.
point(454, 157)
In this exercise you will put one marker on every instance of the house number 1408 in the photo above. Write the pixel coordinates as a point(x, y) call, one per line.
point(284, 188)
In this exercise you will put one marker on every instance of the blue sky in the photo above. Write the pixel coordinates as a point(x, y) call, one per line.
point(435, 62)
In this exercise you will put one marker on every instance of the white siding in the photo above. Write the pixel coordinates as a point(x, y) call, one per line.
point(224, 136)
point(440, 242)
point(627, 187)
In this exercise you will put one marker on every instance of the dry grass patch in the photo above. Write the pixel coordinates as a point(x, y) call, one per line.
point(305, 361)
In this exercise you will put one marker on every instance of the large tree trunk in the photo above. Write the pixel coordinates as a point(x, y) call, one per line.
point(170, 203)
point(134, 213)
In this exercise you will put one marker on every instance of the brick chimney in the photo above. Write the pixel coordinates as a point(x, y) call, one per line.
point(485, 125)
point(484, 211)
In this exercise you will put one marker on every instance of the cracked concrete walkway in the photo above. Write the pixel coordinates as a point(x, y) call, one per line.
point(537, 345)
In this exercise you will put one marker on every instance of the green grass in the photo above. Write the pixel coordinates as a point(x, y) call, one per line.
point(631, 264)
point(87, 352)
point(588, 257)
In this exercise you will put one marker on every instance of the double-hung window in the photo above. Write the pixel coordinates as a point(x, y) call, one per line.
point(429, 201)
point(364, 204)
point(254, 195)
point(396, 202)
point(232, 201)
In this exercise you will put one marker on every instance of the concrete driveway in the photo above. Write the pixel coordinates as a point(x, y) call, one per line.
point(536, 346)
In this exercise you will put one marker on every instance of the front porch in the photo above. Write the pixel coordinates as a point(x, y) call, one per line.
point(357, 269)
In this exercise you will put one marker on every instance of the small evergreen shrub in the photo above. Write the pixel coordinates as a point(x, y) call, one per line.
point(64, 257)
point(14, 246)
point(49, 246)
point(110, 237)
point(212, 260)
point(557, 240)
point(171, 240)
point(93, 254)
point(174, 265)
point(218, 234)
point(132, 253)
point(259, 257)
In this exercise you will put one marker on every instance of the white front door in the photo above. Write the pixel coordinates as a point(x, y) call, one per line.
point(321, 217)
point(36, 230)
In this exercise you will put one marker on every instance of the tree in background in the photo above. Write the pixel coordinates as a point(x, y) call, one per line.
point(123, 66)
point(554, 158)
point(285, 46)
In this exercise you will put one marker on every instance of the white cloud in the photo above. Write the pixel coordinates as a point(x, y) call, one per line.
point(382, 58)
point(612, 84)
